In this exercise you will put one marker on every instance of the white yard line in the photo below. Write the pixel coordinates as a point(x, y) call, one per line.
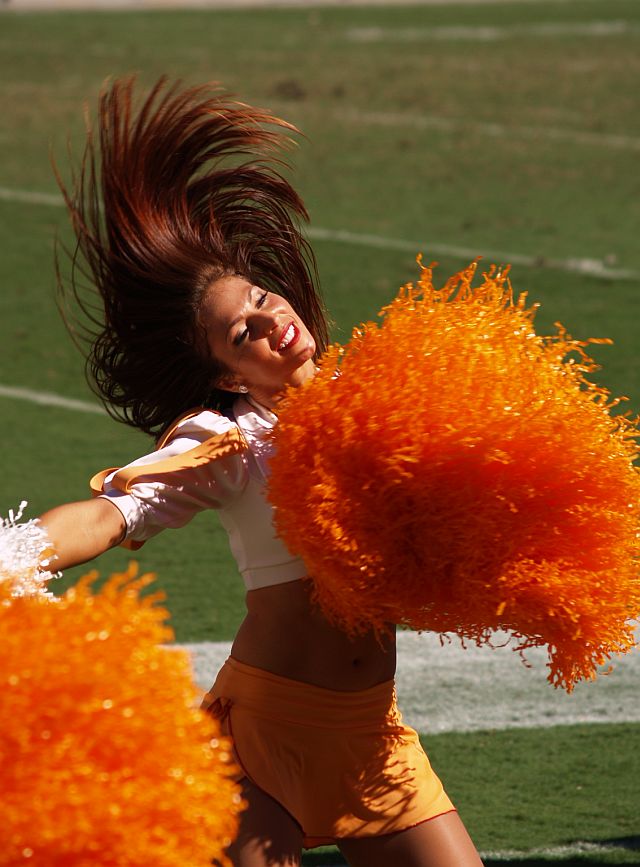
point(52, 5)
point(447, 688)
point(28, 197)
point(45, 398)
point(415, 120)
point(569, 850)
point(561, 853)
point(590, 267)
point(577, 265)
point(492, 33)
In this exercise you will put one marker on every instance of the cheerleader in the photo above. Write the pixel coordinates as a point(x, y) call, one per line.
point(203, 308)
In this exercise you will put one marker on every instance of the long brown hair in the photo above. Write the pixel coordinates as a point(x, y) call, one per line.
point(167, 199)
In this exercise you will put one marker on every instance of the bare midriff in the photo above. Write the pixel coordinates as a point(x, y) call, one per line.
point(285, 632)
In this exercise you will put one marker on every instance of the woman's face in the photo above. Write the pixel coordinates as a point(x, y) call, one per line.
point(258, 337)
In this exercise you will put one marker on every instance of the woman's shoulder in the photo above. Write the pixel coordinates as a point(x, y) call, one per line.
point(199, 424)
point(185, 458)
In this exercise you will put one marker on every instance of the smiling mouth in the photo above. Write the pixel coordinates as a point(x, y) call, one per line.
point(289, 336)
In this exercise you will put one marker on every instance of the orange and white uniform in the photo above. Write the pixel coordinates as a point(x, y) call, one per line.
point(208, 461)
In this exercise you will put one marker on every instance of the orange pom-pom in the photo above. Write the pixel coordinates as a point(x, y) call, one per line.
point(462, 474)
point(106, 758)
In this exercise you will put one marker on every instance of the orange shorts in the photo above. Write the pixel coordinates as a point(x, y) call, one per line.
point(341, 763)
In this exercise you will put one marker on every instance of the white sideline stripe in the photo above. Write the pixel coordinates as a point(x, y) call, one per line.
point(248, 4)
point(493, 130)
point(49, 5)
point(30, 198)
point(590, 267)
point(447, 688)
point(570, 850)
point(46, 398)
point(489, 33)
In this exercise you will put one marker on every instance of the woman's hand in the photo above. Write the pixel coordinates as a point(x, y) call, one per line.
point(81, 531)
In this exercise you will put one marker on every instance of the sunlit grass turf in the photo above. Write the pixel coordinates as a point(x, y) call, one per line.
point(515, 191)
point(541, 779)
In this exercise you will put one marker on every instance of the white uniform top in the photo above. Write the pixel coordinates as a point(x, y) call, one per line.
point(230, 477)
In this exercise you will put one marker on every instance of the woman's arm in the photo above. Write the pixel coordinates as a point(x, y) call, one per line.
point(83, 530)
point(202, 467)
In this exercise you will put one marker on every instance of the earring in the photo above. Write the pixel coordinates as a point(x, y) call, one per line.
point(243, 389)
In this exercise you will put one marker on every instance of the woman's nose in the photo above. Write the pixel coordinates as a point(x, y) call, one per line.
point(268, 323)
point(263, 322)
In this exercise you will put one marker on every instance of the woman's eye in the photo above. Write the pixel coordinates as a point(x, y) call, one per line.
point(242, 335)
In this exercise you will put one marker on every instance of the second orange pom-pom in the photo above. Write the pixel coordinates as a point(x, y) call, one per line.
point(106, 758)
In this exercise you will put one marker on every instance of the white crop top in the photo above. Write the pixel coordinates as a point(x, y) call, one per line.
point(209, 461)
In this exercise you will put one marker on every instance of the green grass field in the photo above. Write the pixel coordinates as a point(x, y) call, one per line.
point(509, 131)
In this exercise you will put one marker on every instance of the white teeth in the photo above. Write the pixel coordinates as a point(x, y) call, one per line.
point(288, 337)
